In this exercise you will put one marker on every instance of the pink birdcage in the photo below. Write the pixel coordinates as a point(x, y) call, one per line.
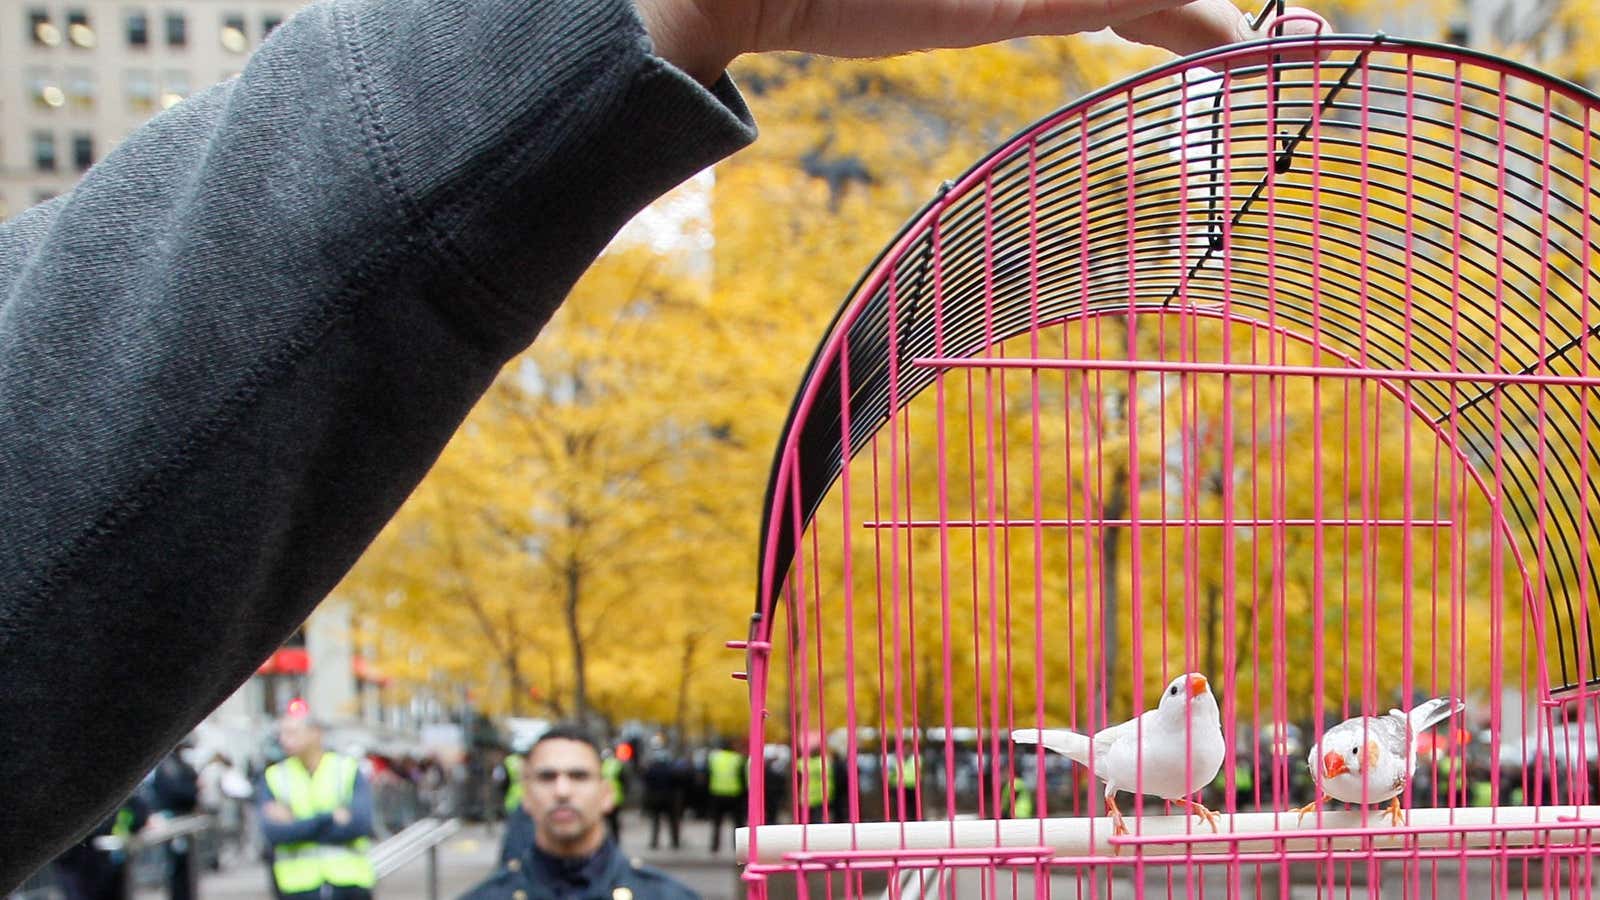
point(1271, 365)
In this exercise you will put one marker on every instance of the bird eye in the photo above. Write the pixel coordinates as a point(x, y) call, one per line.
point(1355, 751)
point(1174, 691)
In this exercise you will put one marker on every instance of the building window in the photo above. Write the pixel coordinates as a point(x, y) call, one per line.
point(177, 30)
point(174, 87)
point(44, 32)
point(269, 23)
point(141, 91)
point(44, 151)
point(79, 31)
point(82, 151)
point(234, 40)
point(44, 91)
point(138, 29)
point(80, 88)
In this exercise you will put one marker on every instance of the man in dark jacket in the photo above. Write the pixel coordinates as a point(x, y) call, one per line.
point(174, 790)
point(90, 870)
point(571, 855)
point(665, 781)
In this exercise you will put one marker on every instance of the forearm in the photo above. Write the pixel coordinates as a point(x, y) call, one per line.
point(231, 352)
point(359, 824)
point(298, 831)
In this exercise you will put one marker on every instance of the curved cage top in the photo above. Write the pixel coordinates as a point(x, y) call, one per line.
point(1321, 198)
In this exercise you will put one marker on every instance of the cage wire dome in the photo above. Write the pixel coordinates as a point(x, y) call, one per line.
point(1273, 367)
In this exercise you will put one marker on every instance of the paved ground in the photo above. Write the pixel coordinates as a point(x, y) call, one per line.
point(467, 858)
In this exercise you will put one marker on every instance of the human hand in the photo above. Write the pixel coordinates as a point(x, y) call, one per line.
point(278, 813)
point(341, 817)
point(703, 36)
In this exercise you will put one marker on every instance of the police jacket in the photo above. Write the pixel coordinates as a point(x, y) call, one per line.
point(518, 838)
point(608, 875)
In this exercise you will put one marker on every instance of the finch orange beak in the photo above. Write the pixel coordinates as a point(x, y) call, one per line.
point(1333, 765)
point(1197, 685)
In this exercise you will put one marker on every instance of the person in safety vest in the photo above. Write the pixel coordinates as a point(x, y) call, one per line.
point(727, 786)
point(813, 783)
point(96, 869)
point(316, 812)
point(513, 774)
point(905, 776)
point(518, 835)
point(611, 769)
point(1019, 799)
point(1480, 789)
point(571, 854)
point(1244, 782)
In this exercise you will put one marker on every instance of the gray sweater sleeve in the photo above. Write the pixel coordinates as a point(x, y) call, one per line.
point(230, 353)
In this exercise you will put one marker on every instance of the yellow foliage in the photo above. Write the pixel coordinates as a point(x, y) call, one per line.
point(604, 497)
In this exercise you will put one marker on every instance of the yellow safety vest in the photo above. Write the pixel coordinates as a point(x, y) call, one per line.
point(1482, 793)
point(1021, 799)
point(816, 769)
point(513, 782)
point(908, 772)
point(611, 770)
point(307, 866)
point(725, 769)
point(123, 826)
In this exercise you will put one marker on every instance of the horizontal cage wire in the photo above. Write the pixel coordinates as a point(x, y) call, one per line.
point(1256, 392)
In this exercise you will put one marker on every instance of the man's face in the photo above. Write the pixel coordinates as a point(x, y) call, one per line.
point(566, 796)
point(296, 735)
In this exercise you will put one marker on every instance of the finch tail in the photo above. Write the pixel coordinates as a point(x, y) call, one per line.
point(1070, 744)
point(1430, 713)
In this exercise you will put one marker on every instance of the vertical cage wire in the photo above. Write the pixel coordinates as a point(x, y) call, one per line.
point(1270, 366)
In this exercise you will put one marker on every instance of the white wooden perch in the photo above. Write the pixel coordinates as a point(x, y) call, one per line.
point(1260, 832)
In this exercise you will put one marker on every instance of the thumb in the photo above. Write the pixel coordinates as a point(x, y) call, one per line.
point(1203, 24)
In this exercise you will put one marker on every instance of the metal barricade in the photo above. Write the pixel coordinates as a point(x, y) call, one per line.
point(422, 837)
point(160, 833)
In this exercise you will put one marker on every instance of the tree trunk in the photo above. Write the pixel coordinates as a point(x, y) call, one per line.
point(685, 665)
point(580, 684)
point(1115, 507)
point(1213, 622)
point(552, 698)
point(518, 684)
point(1215, 483)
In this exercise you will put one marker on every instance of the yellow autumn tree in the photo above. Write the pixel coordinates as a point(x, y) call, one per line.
point(562, 555)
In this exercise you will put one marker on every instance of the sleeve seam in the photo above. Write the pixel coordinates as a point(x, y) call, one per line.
point(381, 154)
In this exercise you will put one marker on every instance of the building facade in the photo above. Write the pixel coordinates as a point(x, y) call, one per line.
point(76, 76)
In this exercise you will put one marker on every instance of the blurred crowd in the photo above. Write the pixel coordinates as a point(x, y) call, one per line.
point(920, 775)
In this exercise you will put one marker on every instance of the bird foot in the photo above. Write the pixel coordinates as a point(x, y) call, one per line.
point(1307, 809)
point(1395, 813)
point(1118, 826)
point(1208, 816)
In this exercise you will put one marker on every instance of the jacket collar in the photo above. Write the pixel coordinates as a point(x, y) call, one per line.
point(591, 876)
